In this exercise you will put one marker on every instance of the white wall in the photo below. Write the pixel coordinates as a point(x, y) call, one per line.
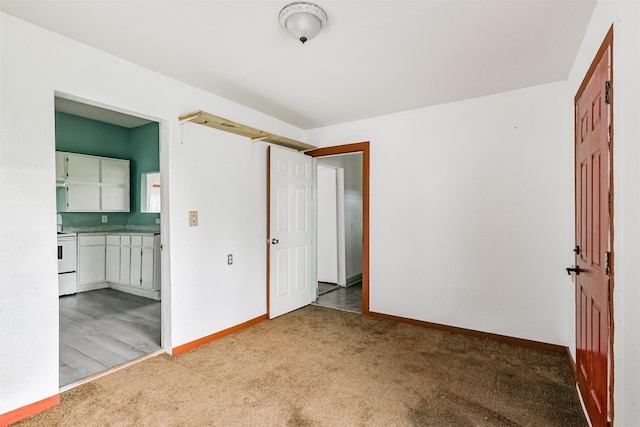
point(472, 212)
point(226, 184)
point(625, 17)
point(205, 170)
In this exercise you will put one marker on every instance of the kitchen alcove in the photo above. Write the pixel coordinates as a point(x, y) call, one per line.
point(127, 243)
point(139, 145)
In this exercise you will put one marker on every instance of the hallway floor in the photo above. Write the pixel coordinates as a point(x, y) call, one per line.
point(346, 299)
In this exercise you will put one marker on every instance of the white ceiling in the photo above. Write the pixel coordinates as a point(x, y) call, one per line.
point(374, 57)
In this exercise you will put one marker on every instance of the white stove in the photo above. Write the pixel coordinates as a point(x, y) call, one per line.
point(67, 252)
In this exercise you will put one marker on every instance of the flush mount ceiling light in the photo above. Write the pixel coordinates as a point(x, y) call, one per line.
point(303, 20)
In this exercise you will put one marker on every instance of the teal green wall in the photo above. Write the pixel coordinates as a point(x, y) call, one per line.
point(144, 141)
point(140, 145)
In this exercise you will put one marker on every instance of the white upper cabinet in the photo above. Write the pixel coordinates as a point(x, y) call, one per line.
point(115, 185)
point(61, 171)
point(114, 172)
point(115, 199)
point(92, 183)
point(82, 198)
point(85, 169)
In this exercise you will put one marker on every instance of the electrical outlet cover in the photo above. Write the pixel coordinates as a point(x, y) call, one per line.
point(193, 218)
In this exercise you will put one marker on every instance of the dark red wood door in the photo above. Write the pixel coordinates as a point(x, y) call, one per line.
point(592, 239)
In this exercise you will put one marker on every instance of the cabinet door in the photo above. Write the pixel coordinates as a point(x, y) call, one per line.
point(115, 199)
point(115, 172)
point(91, 264)
point(83, 168)
point(113, 264)
point(125, 265)
point(82, 197)
point(146, 273)
point(136, 265)
point(115, 185)
point(61, 173)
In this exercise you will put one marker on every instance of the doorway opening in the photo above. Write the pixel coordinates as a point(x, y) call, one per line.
point(339, 231)
point(108, 191)
point(348, 252)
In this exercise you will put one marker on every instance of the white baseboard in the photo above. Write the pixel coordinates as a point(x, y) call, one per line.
point(92, 286)
point(354, 280)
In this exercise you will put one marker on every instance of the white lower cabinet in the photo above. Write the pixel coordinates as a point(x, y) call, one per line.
point(135, 276)
point(113, 258)
point(147, 268)
point(91, 262)
point(125, 261)
point(133, 264)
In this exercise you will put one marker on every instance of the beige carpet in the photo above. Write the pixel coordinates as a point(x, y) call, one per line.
point(323, 367)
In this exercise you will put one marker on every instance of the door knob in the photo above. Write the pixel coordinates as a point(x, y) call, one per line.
point(575, 269)
point(275, 241)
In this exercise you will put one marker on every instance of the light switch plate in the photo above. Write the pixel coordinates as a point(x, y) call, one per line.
point(193, 218)
point(104, 218)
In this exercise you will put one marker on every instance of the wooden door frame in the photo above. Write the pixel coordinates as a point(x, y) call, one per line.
point(607, 43)
point(359, 147)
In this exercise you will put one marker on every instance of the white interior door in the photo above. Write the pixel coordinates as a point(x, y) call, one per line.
point(290, 231)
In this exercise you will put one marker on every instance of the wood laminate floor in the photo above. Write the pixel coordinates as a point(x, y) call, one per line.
point(105, 328)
